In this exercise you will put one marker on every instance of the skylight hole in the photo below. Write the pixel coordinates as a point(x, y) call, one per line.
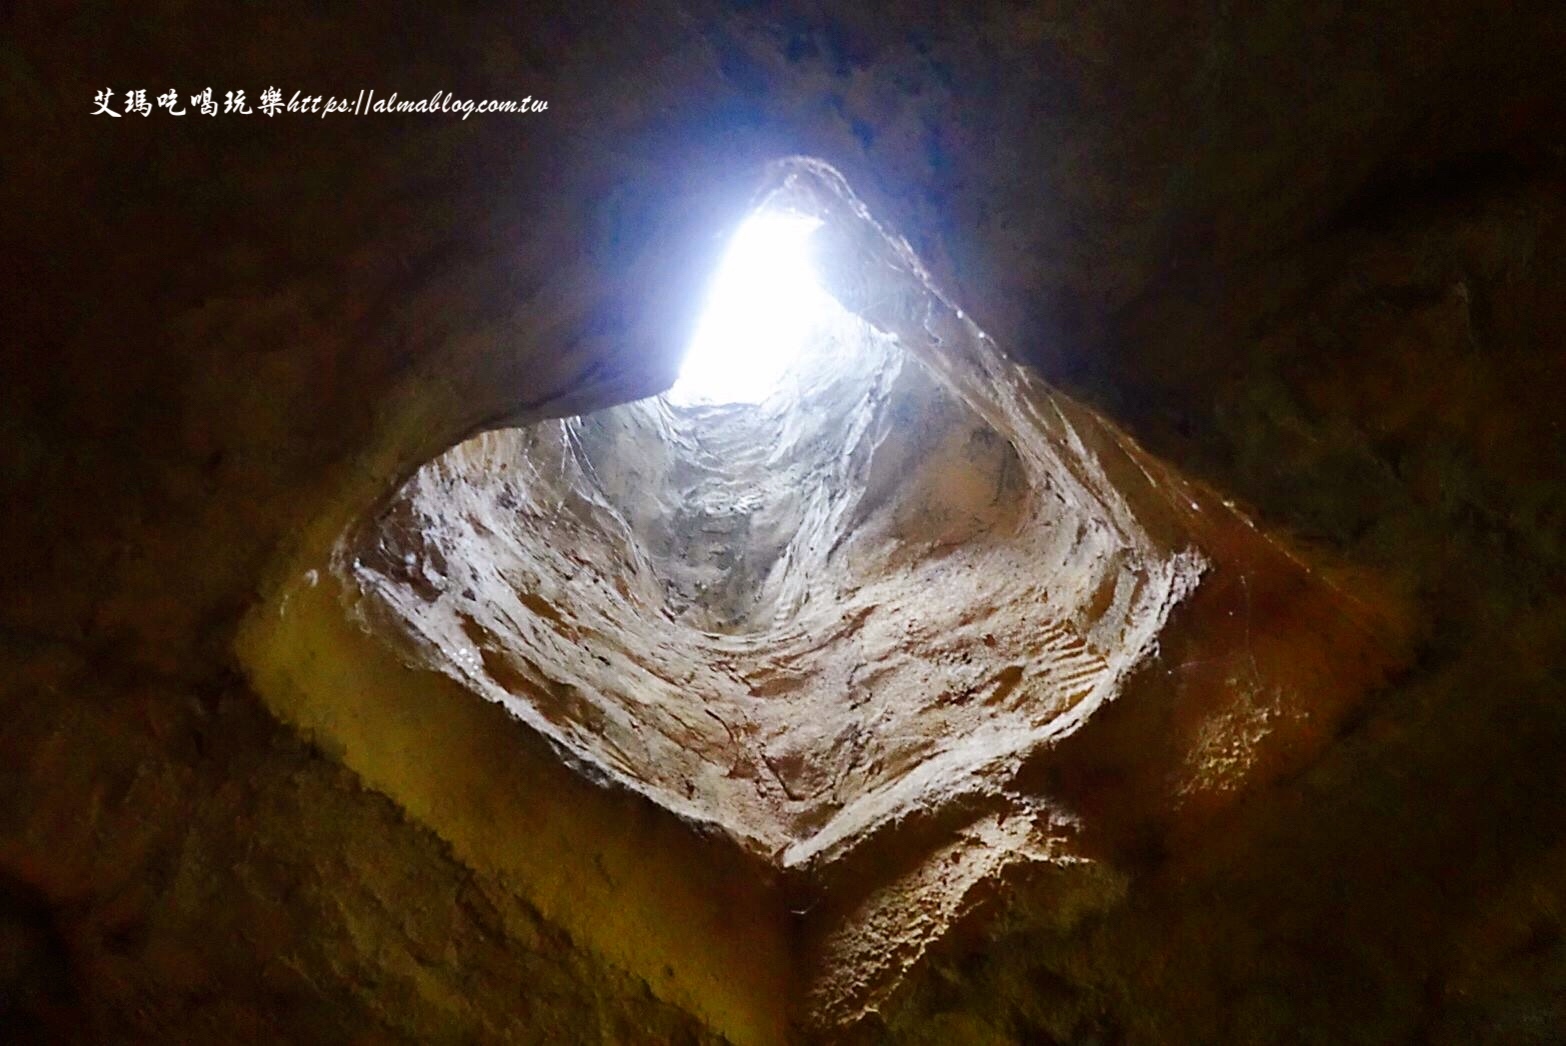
point(763, 307)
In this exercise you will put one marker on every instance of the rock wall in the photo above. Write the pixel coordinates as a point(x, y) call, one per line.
point(1385, 391)
point(1018, 642)
point(1261, 239)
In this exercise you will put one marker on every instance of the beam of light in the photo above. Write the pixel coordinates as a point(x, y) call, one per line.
point(761, 307)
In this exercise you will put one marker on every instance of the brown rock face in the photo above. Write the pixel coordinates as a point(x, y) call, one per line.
point(381, 665)
point(910, 624)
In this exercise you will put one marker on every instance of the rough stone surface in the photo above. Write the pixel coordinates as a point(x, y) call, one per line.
point(1260, 238)
point(957, 626)
point(1407, 887)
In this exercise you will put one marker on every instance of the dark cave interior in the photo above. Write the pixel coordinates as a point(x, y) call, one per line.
point(1135, 616)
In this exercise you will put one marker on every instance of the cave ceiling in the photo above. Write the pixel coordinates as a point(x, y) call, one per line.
point(1305, 257)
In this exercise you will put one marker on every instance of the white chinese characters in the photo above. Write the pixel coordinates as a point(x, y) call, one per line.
point(270, 103)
